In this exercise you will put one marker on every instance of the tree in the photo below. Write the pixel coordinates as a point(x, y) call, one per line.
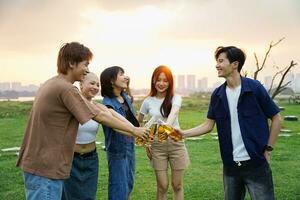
point(281, 73)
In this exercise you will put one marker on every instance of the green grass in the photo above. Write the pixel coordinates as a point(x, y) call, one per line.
point(203, 178)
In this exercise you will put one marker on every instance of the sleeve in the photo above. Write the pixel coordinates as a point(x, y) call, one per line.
point(266, 102)
point(177, 100)
point(81, 109)
point(144, 107)
point(210, 112)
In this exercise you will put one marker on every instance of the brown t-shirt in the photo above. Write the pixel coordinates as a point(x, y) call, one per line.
point(48, 143)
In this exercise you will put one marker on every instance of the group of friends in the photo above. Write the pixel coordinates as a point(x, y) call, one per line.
point(59, 158)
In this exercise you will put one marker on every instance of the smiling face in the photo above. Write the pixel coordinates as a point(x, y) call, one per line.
point(90, 86)
point(162, 83)
point(79, 70)
point(224, 67)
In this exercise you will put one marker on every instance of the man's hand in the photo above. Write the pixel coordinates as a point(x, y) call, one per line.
point(181, 132)
point(267, 155)
point(141, 132)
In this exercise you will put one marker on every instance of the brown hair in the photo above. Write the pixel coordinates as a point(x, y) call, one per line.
point(166, 106)
point(72, 53)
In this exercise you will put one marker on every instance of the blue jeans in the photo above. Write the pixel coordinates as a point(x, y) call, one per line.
point(257, 180)
point(121, 174)
point(42, 188)
point(82, 184)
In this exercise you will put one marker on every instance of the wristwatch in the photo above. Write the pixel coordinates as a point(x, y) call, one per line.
point(268, 148)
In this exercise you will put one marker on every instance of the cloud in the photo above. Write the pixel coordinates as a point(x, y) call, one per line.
point(255, 21)
point(33, 25)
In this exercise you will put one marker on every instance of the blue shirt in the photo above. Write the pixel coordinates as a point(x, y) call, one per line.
point(117, 143)
point(254, 108)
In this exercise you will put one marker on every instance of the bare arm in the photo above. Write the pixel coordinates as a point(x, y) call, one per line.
point(117, 115)
point(121, 118)
point(274, 129)
point(106, 118)
point(202, 129)
point(274, 132)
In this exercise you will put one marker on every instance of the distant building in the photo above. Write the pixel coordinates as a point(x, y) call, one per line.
point(181, 81)
point(31, 88)
point(16, 86)
point(4, 86)
point(191, 82)
point(202, 84)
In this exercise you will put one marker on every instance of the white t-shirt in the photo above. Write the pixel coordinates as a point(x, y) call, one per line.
point(152, 106)
point(87, 132)
point(239, 151)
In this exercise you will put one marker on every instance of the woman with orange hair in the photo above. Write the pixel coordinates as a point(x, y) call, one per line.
point(163, 104)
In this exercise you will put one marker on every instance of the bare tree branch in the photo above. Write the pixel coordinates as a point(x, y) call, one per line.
point(260, 67)
point(281, 87)
point(274, 77)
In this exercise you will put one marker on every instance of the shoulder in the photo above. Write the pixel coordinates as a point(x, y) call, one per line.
point(148, 99)
point(218, 90)
point(252, 82)
point(107, 101)
point(255, 86)
point(177, 97)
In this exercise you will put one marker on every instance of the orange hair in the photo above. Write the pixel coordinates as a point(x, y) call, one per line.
point(166, 106)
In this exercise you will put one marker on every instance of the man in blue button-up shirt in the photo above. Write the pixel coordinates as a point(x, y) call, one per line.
point(241, 108)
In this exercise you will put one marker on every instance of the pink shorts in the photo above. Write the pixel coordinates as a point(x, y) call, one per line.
point(171, 152)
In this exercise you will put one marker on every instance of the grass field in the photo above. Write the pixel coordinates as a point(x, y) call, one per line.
point(203, 179)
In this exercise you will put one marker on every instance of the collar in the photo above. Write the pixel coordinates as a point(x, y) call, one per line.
point(116, 104)
point(244, 88)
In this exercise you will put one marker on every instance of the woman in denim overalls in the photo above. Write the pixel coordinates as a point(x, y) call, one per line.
point(120, 148)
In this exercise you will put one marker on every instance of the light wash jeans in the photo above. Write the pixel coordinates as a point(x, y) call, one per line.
point(42, 188)
point(121, 169)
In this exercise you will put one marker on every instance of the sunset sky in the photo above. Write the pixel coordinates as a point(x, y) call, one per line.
point(139, 35)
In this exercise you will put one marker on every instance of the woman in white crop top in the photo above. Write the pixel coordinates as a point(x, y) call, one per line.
point(164, 104)
point(83, 180)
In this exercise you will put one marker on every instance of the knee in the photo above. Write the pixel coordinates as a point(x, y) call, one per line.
point(177, 187)
point(162, 188)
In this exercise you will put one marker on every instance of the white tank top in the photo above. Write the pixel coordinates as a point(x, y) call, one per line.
point(87, 132)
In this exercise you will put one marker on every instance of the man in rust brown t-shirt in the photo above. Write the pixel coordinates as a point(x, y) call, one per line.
point(47, 150)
